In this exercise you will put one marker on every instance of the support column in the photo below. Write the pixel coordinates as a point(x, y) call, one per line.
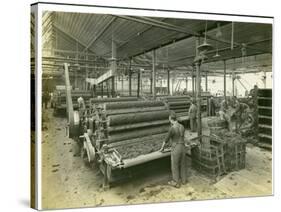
point(233, 83)
point(95, 90)
point(193, 82)
point(206, 89)
point(198, 89)
point(153, 74)
point(186, 83)
point(198, 98)
point(130, 83)
point(86, 76)
point(116, 80)
point(122, 84)
point(196, 78)
point(75, 79)
point(102, 90)
point(138, 84)
point(141, 72)
point(151, 83)
point(224, 79)
point(173, 82)
point(112, 86)
point(206, 82)
point(168, 81)
point(107, 88)
point(130, 78)
point(113, 65)
point(86, 83)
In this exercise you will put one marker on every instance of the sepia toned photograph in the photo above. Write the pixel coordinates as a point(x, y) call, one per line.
point(161, 107)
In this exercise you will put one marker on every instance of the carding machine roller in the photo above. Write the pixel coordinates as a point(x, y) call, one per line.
point(127, 134)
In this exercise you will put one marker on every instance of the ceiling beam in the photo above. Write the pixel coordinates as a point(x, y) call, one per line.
point(209, 52)
point(229, 57)
point(173, 27)
point(70, 36)
point(160, 24)
point(208, 36)
point(70, 52)
point(170, 42)
point(131, 39)
point(210, 61)
point(106, 26)
point(75, 60)
point(224, 49)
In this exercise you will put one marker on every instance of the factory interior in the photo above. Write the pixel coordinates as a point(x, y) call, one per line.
point(109, 86)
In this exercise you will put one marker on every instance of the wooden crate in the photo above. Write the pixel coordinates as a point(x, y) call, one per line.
point(235, 157)
point(208, 158)
point(216, 157)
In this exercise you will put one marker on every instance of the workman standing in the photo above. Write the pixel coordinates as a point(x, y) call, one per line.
point(254, 95)
point(235, 103)
point(81, 106)
point(240, 110)
point(45, 99)
point(254, 92)
point(223, 109)
point(212, 106)
point(178, 158)
point(193, 115)
point(237, 112)
point(223, 113)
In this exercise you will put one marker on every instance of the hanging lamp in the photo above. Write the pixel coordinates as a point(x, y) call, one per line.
point(217, 51)
point(204, 47)
point(218, 33)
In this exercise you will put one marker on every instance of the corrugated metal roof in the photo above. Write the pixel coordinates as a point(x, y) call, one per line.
point(136, 36)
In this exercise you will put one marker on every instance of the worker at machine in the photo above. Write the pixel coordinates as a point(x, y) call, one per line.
point(178, 160)
point(52, 99)
point(254, 91)
point(254, 95)
point(224, 107)
point(192, 115)
point(240, 112)
point(237, 111)
point(235, 102)
point(212, 106)
point(81, 106)
point(45, 99)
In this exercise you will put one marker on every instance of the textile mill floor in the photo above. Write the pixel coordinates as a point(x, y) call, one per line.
point(68, 183)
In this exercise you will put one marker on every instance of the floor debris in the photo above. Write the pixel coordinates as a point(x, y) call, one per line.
point(58, 187)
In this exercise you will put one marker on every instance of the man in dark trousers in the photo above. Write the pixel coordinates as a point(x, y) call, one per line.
point(178, 159)
point(212, 106)
point(240, 112)
point(192, 115)
point(224, 112)
point(45, 99)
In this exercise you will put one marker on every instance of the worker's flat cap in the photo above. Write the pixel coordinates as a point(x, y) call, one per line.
point(173, 115)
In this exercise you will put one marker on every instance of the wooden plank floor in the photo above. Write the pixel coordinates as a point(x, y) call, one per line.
point(254, 180)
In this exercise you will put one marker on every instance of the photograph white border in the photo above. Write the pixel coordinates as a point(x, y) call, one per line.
point(60, 7)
